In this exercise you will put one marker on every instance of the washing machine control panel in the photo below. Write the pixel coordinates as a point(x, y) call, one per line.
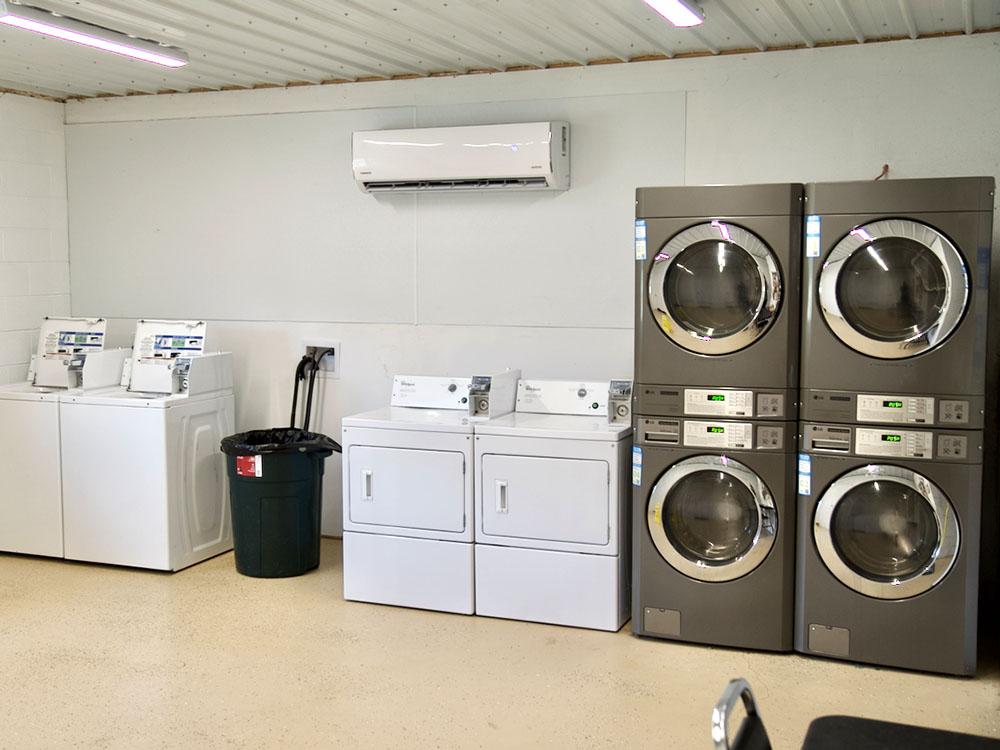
point(888, 441)
point(719, 403)
point(721, 435)
point(927, 410)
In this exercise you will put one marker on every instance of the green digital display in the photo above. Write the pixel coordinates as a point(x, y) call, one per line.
point(716, 430)
point(716, 397)
point(892, 404)
point(892, 438)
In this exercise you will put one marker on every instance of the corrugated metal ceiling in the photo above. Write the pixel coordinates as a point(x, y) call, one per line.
point(247, 43)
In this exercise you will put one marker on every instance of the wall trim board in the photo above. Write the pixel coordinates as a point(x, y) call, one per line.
point(678, 74)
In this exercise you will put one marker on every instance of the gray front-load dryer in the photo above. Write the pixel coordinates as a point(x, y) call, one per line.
point(888, 545)
point(895, 287)
point(714, 531)
point(717, 301)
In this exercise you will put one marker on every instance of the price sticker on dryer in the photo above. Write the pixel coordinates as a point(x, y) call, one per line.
point(640, 239)
point(636, 465)
point(813, 234)
point(805, 474)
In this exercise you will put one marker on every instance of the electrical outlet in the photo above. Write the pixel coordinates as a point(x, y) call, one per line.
point(329, 366)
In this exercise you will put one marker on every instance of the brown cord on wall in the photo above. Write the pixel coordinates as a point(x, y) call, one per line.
point(883, 173)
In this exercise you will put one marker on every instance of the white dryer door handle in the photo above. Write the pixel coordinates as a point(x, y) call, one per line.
point(366, 477)
point(501, 495)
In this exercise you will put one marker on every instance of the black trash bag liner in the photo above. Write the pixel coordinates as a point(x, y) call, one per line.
point(278, 440)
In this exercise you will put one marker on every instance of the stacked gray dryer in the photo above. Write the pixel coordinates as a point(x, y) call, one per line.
point(716, 378)
point(893, 387)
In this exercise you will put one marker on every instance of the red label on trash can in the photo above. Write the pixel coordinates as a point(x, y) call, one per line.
point(249, 466)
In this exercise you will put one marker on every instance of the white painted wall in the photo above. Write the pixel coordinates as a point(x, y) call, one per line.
point(239, 207)
point(34, 258)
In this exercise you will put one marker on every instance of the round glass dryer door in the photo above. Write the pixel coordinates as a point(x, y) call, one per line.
point(714, 288)
point(712, 518)
point(886, 532)
point(893, 289)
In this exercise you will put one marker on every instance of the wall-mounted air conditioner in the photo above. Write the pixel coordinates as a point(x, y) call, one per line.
point(519, 156)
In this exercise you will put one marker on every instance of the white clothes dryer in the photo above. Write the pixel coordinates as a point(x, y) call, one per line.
point(145, 482)
point(70, 358)
point(408, 491)
point(553, 506)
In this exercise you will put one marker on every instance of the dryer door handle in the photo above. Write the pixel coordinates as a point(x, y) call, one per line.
point(501, 495)
point(366, 478)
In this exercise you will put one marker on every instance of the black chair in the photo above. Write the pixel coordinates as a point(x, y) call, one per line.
point(833, 732)
point(751, 734)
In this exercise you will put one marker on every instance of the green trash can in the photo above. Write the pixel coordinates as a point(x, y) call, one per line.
point(276, 495)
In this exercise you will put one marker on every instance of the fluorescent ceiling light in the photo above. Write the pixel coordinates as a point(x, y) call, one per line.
point(89, 35)
point(678, 12)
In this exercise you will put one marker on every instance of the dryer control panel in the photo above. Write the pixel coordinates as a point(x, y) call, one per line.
point(620, 402)
point(428, 392)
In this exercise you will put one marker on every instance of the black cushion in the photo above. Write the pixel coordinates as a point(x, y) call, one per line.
point(839, 732)
point(751, 735)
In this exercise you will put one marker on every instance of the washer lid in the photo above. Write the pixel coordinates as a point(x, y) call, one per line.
point(410, 418)
point(564, 426)
point(28, 392)
point(119, 397)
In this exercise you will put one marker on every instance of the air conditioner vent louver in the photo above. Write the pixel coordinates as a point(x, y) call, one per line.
point(522, 156)
point(481, 184)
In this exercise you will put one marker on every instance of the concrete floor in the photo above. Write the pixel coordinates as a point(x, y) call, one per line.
point(96, 657)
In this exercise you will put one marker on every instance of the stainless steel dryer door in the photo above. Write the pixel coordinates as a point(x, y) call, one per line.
point(714, 288)
point(886, 532)
point(894, 288)
point(712, 518)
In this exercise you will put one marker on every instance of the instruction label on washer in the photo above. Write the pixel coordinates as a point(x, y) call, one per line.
point(706, 403)
point(249, 466)
point(894, 443)
point(640, 239)
point(813, 234)
point(805, 474)
point(636, 465)
point(718, 434)
point(895, 409)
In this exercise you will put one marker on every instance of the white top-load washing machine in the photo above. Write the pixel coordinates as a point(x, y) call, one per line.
point(144, 479)
point(553, 506)
point(70, 358)
point(408, 491)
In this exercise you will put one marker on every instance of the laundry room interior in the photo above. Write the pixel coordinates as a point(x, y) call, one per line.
point(358, 386)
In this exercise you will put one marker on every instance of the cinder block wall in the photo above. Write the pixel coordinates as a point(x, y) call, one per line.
point(34, 256)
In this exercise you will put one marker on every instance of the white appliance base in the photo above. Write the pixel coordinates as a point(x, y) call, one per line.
point(420, 573)
point(31, 506)
point(559, 588)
